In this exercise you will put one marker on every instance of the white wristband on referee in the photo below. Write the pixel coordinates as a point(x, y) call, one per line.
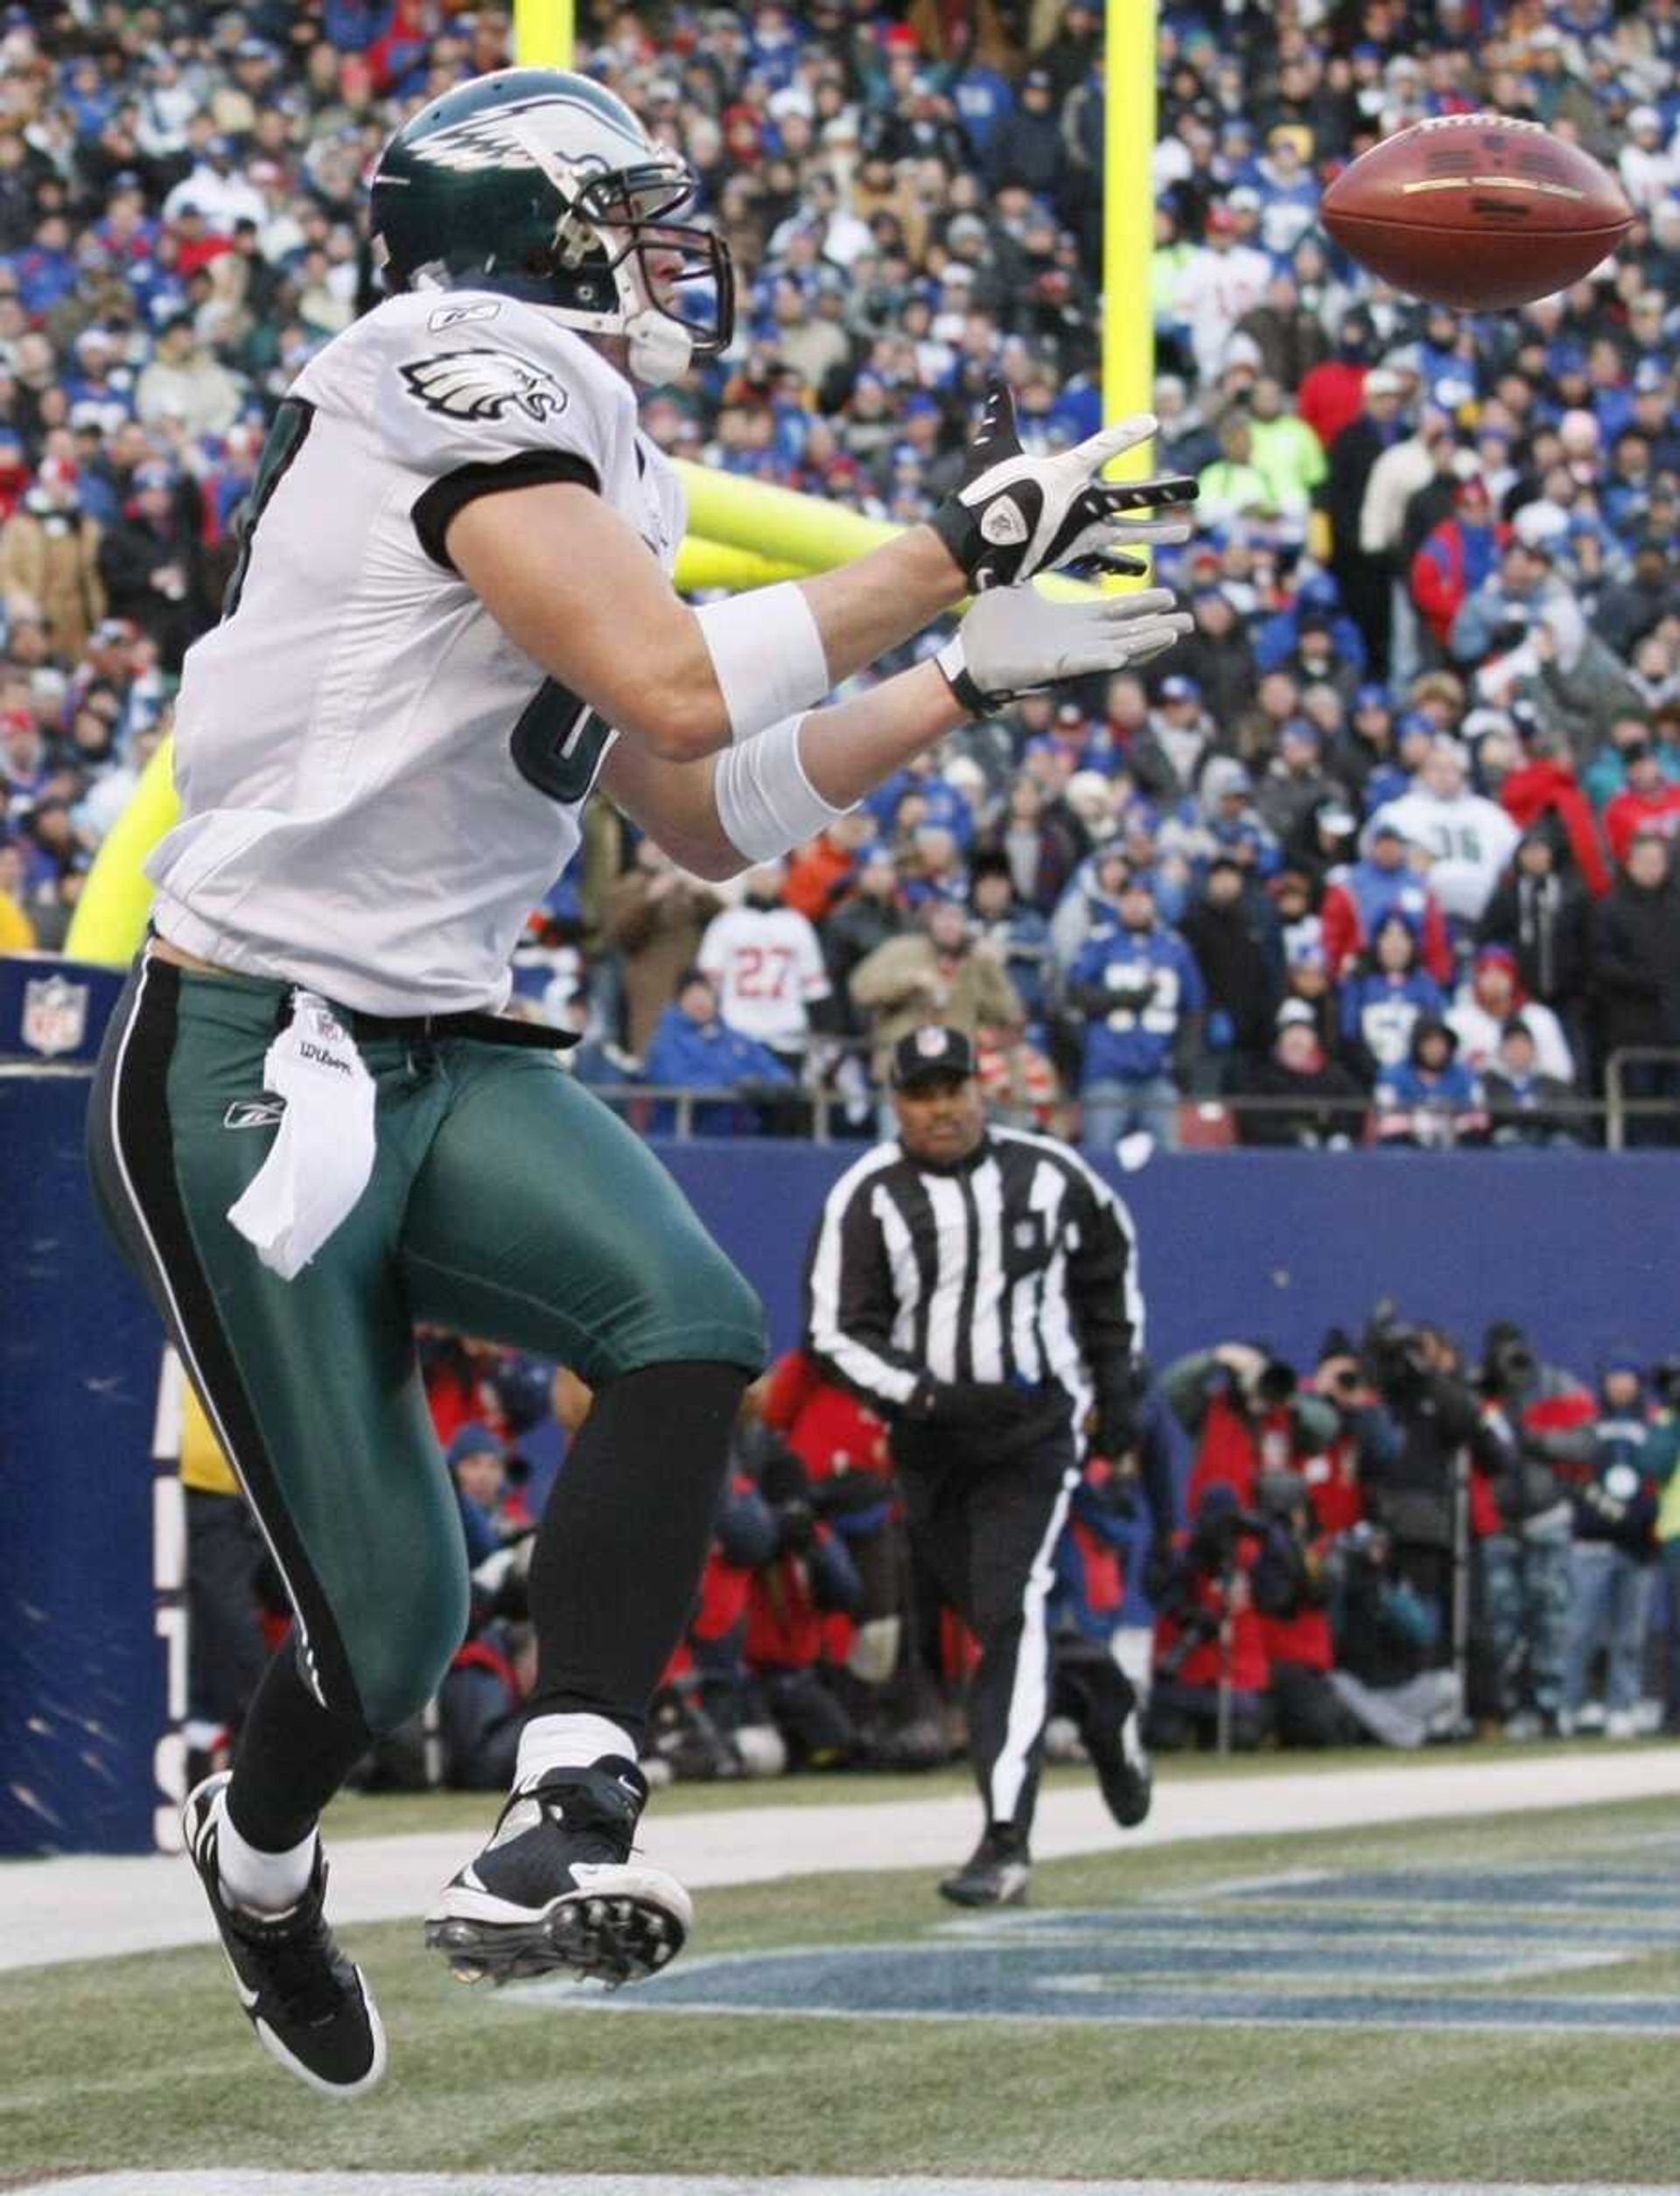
point(768, 654)
point(766, 804)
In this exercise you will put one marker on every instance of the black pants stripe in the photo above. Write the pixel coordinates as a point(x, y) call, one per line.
point(131, 1157)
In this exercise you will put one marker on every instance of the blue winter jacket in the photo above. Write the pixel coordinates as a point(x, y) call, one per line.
point(690, 1055)
point(1153, 981)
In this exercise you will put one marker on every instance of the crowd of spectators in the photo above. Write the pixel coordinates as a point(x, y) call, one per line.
point(1392, 1545)
point(1385, 849)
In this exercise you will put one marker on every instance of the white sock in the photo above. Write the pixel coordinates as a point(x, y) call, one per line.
point(567, 1742)
point(266, 1882)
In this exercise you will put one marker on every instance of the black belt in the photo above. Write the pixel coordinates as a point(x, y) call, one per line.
point(488, 1029)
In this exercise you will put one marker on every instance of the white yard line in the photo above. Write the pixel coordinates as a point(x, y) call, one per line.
point(76, 1907)
point(233, 2183)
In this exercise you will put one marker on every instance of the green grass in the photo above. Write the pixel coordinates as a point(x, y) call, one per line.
point(146, 2062)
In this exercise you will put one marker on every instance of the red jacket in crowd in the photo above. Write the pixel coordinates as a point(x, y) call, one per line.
point(826, 1427)
point(1233, 1449)
point(1441, 577)
point(1545, 787)
point(1630, 813)
point(1332, 397)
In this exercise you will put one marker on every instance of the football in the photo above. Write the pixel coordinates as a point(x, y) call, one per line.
point(1477, 211)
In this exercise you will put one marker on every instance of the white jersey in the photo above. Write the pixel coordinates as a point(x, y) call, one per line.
point(1469, 838)
point(377, 785)
point(768, 967)
point(1479, 1034)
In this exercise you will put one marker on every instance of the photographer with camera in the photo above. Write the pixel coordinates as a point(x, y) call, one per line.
point(808, 1578)
point(1247, 1414)
point(1211, 1686)
point(1291, 1583)
point(1540, 1419)
point(1335, 1477)
point(1088, 1686)
point(1385, 1637)
point(708, 1721)
point(1422, 1448)
point(978, 1287)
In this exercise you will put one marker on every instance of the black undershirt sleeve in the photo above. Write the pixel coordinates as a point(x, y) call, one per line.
point(435, 506)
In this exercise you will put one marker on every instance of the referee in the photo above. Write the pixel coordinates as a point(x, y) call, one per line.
point(978, 1286)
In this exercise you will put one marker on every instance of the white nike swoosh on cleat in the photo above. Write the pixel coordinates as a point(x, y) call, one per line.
point(247, 1998)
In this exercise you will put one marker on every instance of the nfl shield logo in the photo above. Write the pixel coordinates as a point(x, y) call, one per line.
point(55, 1015)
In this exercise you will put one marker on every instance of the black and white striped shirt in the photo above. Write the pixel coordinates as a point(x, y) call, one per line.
point(1018, 1265)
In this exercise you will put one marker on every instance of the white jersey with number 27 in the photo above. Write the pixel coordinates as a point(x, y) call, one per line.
point(377, 785)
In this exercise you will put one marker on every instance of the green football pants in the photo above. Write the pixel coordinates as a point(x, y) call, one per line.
point(506, 1203)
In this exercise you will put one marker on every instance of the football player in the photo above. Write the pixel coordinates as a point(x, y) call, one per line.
point(451, 618)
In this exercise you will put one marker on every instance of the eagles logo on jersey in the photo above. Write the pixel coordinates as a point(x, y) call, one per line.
point(483, 385)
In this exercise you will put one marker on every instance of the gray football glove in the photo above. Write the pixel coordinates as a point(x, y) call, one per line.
point(1013, 515)
point(1015, 639)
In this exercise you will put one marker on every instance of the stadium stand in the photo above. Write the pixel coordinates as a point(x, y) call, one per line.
point(1436, 597)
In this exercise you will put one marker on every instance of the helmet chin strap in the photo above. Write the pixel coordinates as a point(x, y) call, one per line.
point(660, 349)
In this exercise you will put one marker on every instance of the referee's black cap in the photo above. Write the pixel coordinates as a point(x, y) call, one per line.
point(929, 1053)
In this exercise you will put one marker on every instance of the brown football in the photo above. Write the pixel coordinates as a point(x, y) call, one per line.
point(1477, 211)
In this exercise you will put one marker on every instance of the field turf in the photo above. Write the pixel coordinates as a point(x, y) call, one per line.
point(146, 2062)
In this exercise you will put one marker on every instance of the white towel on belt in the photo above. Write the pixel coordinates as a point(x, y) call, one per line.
point(320, 1161)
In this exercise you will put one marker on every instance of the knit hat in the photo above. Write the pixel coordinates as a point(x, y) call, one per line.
point(474, 1439)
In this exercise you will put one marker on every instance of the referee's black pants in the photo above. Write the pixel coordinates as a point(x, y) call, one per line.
point(986, 1532)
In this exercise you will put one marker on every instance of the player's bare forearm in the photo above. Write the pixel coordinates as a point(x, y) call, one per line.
point(848, 750)
point(845, 752)
point(567, 580)
point(865, 609)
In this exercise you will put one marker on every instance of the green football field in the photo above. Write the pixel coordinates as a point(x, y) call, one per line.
point(1495, 2002)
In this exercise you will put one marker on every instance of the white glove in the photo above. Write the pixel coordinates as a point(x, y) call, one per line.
point(1013, 515)
point(1014, 639)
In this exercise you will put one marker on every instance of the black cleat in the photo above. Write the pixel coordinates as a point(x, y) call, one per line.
point(1122, 1763)
point(995, 1874)
point(555, 1888)
point(311, 2007)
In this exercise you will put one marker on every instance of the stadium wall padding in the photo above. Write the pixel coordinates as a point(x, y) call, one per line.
point(1577, 1246)
point(82, 1670)
point(1580, 1246)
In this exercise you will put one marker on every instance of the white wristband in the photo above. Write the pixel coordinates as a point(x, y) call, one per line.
point(766, 804)
point(768, 654)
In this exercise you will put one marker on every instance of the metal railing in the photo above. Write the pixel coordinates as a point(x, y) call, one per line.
point(1618, 1108)
point(1585, 1122)
point(1208, 1122)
